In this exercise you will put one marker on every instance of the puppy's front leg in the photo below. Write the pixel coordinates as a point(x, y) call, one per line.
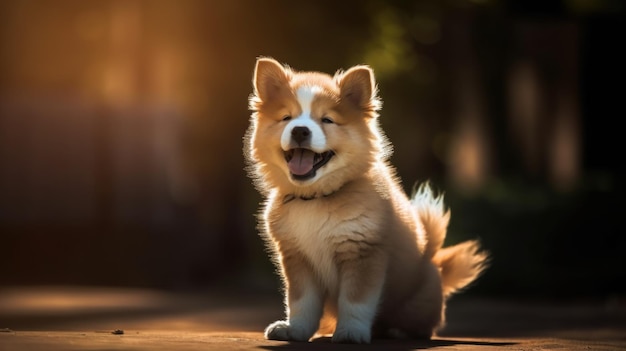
point(303, 300)
point(362, 276)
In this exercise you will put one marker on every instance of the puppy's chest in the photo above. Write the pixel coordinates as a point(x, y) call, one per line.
point(318, 232)
point(313, 232)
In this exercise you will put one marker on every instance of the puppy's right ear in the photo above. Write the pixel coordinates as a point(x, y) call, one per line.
point(270, 78)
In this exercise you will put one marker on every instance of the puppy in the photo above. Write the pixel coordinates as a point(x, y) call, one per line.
point(356, 255)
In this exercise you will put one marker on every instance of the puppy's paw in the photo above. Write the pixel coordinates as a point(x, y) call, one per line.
point(281, 330)
point(352, 335)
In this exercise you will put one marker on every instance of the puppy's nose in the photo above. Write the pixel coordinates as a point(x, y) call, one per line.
point(300, 134)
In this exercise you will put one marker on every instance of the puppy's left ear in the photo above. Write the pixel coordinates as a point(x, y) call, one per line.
point(358, 86)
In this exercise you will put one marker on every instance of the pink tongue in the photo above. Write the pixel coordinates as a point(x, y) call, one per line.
point(302, 161)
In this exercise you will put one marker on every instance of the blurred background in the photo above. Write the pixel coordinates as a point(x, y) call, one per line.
point(121, 125)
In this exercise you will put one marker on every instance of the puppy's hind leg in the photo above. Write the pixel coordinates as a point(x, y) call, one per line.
point(423, 312)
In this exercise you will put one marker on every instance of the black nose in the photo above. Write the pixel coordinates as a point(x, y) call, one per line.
point(300, 134)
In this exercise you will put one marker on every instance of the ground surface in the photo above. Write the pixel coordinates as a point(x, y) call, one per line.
point(70, 318)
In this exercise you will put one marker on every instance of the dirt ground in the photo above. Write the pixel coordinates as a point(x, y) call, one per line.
point(80, 318)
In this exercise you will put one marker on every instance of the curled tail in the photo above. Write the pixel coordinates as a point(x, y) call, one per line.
point(460, 264)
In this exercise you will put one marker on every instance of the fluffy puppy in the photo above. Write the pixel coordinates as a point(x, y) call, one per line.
point(356, 255)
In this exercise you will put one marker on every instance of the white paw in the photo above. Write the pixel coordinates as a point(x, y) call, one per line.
point(281, 330)
point(352, 335)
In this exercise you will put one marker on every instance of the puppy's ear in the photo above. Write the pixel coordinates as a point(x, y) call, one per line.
point(358, 87)
point(270, 78)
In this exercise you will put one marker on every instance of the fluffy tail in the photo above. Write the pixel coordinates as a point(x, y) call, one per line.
point(460, 264)
point(434, 217)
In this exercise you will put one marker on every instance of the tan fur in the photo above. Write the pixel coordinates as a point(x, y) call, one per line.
point(354, 252)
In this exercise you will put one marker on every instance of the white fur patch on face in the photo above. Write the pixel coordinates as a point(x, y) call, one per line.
point(305, 96)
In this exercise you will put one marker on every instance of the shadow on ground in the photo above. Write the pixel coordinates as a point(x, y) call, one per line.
point(391, 345)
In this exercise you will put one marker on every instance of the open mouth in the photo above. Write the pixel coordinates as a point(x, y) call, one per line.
point(303, 163)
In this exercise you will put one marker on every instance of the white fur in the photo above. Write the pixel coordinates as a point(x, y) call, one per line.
point(306, 312)
point(303, 318)
point(355, 319)
point(305, 96)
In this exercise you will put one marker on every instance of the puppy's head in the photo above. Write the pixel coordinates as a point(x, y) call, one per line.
point(310, 132)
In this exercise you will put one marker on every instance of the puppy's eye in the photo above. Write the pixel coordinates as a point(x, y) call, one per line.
point(327, 120)
point(287, 118)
